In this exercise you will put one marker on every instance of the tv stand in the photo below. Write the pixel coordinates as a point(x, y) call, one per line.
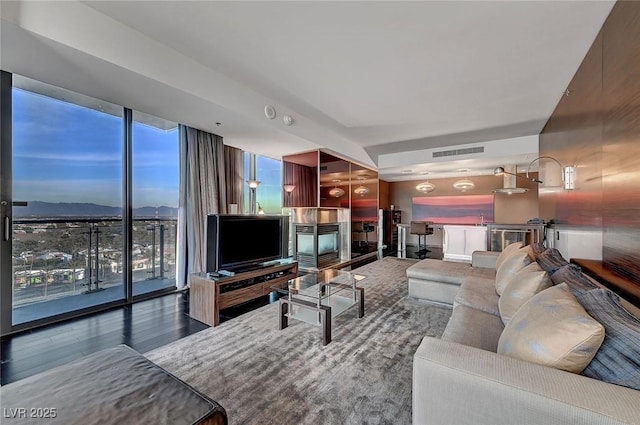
point(208, 296)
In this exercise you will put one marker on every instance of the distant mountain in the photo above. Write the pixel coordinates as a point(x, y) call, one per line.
point(74, 209)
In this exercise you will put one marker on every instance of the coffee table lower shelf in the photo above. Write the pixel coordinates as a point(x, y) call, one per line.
point(323, 311)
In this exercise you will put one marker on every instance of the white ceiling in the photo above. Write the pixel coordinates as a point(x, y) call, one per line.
point(366, 80)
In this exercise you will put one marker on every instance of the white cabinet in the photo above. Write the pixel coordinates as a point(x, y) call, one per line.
point(460, 242)
point(576, 243)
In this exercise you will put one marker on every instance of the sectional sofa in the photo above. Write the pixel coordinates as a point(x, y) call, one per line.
point(531, 340)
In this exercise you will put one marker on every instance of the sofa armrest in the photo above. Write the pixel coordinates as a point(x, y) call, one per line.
point(457, 384)
point(484, 259)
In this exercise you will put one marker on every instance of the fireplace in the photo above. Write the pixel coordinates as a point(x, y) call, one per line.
point(317, 246)
point(317, 237)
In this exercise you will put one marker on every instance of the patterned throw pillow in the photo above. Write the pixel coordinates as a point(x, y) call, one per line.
point(574, 278)
point(552, 329)
point(510, 267)
point(506, 253)
point(522, 287)
point(551, 260)
point(618, 359)
point(538, 248)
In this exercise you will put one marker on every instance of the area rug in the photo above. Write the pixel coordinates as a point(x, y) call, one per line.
point(262, 375)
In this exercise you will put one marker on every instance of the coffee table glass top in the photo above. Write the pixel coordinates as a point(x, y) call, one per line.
point(333, 288)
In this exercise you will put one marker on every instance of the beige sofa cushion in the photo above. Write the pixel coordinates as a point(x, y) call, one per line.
point(552, 329)
point(522, 286)
point(473, 328)
point(507, 251)
point(512, 265)
point(480, 294)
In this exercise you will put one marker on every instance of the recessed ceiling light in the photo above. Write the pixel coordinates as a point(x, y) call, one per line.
point(407, 171)
point(426, 172)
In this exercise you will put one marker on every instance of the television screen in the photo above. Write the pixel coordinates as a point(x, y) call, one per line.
point(237, 241)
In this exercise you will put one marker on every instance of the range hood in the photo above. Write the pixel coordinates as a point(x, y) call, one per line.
point(509, 180)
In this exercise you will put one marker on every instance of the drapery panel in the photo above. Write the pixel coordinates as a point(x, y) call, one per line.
point(306, 181)
point(234, 172)
point(210, 179)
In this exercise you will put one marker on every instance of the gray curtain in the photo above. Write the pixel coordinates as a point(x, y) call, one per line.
point(203, 191)
point(234, 175)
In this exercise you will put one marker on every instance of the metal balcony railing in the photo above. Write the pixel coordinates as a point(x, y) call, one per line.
point(55, 258)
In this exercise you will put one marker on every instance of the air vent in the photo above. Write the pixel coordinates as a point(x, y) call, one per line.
point(454, 152)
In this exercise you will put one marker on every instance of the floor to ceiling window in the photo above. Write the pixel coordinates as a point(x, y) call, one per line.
point(67, 201)
point(155, 203)
point(68, 190)
point(269, 172)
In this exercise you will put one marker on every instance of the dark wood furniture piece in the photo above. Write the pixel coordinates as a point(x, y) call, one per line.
point(111, 387)
point(207, 296)
point(618, 284)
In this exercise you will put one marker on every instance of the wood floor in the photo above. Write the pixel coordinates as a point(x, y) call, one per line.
point(143, 326)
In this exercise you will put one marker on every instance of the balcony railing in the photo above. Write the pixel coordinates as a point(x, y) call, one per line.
point(55, 258)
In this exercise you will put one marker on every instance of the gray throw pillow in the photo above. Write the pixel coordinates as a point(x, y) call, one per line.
point(551, 260)
point(574, 278)
point(618, 359)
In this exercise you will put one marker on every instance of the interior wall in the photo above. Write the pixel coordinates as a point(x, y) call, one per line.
point(508, 209)
point(597, 129)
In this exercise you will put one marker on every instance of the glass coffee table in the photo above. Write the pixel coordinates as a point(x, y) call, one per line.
point(316, 298)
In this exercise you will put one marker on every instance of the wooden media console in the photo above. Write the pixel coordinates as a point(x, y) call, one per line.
point(210, 295)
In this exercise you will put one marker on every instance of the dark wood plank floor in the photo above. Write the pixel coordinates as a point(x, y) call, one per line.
point(143, 326)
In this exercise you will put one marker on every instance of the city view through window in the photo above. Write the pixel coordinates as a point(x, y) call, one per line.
point(67, 188)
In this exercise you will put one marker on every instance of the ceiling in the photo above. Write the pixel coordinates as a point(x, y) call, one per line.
point(382, 83)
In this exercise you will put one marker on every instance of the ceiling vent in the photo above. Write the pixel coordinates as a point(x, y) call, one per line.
point(455, 152)
point(509, 182)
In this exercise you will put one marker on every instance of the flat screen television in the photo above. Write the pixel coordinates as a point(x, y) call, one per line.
point(242, 242)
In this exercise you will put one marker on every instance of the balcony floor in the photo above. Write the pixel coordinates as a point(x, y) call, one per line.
point(39, 310)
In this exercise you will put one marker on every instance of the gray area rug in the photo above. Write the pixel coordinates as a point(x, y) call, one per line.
point(261, 375)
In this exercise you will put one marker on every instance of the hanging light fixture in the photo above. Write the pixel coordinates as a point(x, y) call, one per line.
point(361, 190)
point(426, 187)
point(464, 184)
point(336, 192)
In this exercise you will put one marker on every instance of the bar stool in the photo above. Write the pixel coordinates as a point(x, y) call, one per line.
point(422, 228)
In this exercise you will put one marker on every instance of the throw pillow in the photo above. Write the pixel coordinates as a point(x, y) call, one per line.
point(574, 278)
point(552, 329)
point(528, 250)
point(538, 248)
point(618, 359)
point(551, 260)
point(522, 286)
point(506, 252)
point(510, 267)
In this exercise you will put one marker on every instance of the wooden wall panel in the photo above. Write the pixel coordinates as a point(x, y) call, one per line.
point(597, 128)
point(573, 135)
point(621, 133)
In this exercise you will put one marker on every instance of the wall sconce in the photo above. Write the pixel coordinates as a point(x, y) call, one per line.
point(426, 187)
point(568, 173)
point(336, 192)
point(288, 187)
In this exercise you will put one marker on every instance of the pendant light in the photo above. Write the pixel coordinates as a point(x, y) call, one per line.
point(464, 184)
point(426, 187)
point(336, 192)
